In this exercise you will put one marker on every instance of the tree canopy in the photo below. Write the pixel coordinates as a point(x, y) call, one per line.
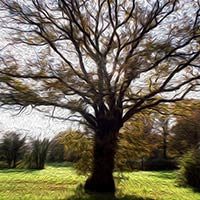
point(100, 56)
point(186, 134)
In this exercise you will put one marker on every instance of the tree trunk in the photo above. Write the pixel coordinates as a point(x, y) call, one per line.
point(9, 163)
point(14, 162)
point(142, 164)
point(165, 146)
point(8, 159)
point(101, 179)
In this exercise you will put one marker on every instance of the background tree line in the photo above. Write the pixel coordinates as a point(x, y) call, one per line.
point(18, 151)
point(150, 141)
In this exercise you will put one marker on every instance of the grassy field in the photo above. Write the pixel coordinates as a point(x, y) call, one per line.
point(63, 183)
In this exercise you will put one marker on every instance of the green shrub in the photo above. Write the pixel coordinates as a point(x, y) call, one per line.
point(159, 164)
point(189, 173)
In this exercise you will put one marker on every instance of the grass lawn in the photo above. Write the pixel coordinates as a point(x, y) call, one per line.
point(57, 182)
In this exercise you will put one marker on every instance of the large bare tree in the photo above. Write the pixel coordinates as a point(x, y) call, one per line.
point(103, 60)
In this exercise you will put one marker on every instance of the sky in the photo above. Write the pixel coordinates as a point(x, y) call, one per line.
point(32, 123)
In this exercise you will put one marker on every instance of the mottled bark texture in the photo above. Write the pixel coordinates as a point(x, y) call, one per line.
point(105, 145)
point(101, 179)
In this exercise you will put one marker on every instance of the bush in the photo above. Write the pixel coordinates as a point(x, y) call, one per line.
point(160, 164)
point(189, 173)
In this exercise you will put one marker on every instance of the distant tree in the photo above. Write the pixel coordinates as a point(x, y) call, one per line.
point(111, 60)
point(186, 134)
point(56, 149)
point(37, 155)
point(78, 149)
point(12, 148)
point(136, 141)
point(161, 127)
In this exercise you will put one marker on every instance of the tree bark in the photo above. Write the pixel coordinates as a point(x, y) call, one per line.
point(14, 162)
point(165, 146)
point(101, 179)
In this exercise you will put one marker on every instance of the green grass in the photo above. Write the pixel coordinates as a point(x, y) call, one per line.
point(59, 182)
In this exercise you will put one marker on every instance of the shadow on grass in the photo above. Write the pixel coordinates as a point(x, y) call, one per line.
point(62, 164)
point(18, 170)
point(185, 186)
point(164, 175)
point(80, 194)
point(8, 170)
point(25, 170)
point(196, 190)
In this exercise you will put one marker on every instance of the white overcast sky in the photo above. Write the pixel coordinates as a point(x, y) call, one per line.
point(32, 122)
